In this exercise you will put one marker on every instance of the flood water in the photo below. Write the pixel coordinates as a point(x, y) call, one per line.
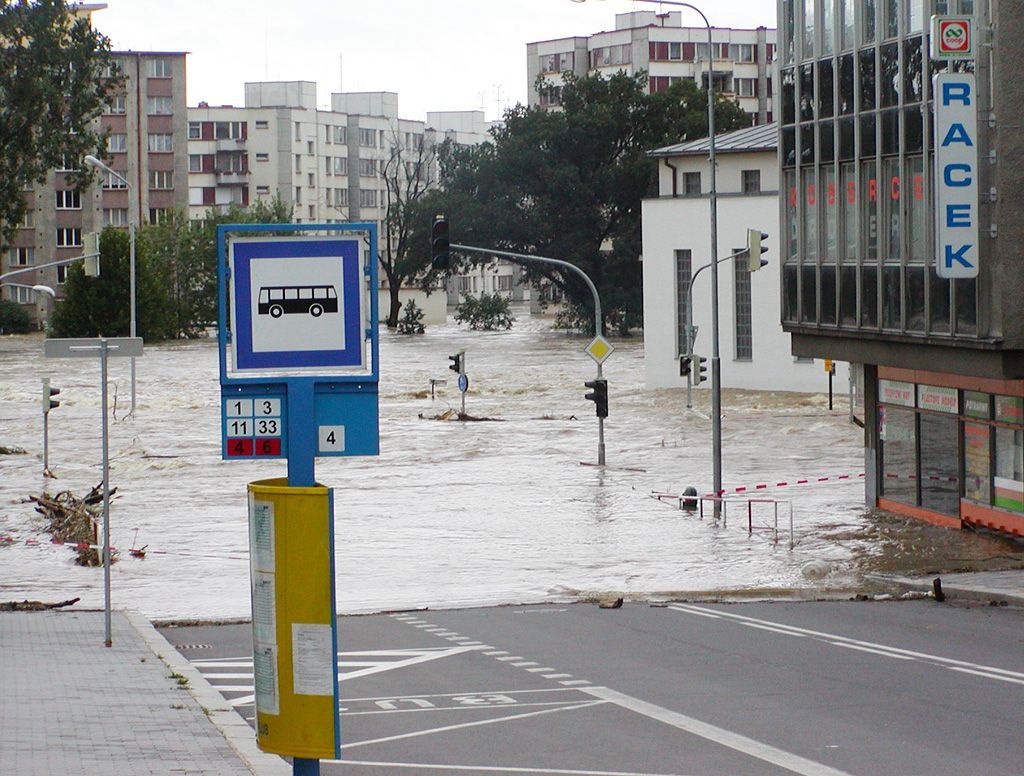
point(450, 513)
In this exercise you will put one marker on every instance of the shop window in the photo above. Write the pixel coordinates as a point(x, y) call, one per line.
point(867, 79)
point(913, 300)
point(891, 297)
point(899, 454)
point(789, 292)
point(788, 96)
point(889, 75)
point(978, 463)
point(1009, 479)
point(940, 481)
point(828, 294)
point(869, 297)
point(848, 296)
point(806, 92)
point(966, 291)
point(868, 144)
point(938, 297)
point(808, 294)
point(825, 97)
point(913, 70)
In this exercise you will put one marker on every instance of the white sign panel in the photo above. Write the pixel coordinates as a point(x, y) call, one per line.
point(956, 175)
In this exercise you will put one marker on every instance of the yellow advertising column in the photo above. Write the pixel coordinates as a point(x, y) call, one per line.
point(295, 638)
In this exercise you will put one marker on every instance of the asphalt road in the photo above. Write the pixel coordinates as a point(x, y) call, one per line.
point(764, 688)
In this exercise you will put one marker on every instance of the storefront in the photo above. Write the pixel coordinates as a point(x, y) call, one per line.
point(951, 448)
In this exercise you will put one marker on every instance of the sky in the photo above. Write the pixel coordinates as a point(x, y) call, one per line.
point(436, 54)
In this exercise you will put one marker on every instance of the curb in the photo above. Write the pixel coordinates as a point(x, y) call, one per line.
point(951, 589)
point(238, 733)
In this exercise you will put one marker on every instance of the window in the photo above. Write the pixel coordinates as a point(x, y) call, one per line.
point(367, 168)
point(112, 181)
point(263, 189)
point(745, 87)
point(340, 165)
point(328, 167)
point(228, 130)
point(298, 162)
point(115, 216)
point(69, 237)
point(691, 184)
point(21, 257)
point(744, 310)
point(158, 68)
point(68, 199)
point(1009, 474)
point(309, 147)
point(341, 197)
point(504, 282)
point(312, 212)
point(195, 130)
point(160, 106)
point(550, 96)
point(161, 179)
point(161, 142)
point(117, 143)
point(230, 162)
point(298, 194)
point(311, 180)
point(743, 52)
point(341, 135)
point(751, 181)
point(611, 55)
point(117, 104)
point(260, 124)
point(195, 162)
point(368, 138)
point(367, 198)
point(159, 215)
point(262, 157)
point(28, 221)
point(298, 131)
point(683, 275)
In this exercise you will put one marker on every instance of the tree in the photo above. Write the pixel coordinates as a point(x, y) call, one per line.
point(408, 176)
point(569, 184)
point(52, 87)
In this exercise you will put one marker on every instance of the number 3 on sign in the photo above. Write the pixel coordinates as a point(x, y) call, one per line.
point(331, 439)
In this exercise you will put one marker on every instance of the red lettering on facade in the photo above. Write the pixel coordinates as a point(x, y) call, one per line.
point(831, 193)
point(872, 190)
point(792, 197)
point(812, 192)
point(918, 187)
point(851, 192)
point(894, 188)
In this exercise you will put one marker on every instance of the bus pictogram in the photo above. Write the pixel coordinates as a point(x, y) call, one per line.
point(276, 301)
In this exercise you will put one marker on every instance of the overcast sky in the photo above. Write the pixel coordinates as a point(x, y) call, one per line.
point(436, 54)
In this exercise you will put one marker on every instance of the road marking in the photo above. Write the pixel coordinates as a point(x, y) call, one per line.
point(463, 725)
point(509, 657)
point(558, 676)
point(539, 670)
point(774, 630)
point(516, 705)
point(496, 652)
point(499, 769)
point(575, 682)
point(869, 649)
point(964, 666)
point(524, 663)
point(748, 746)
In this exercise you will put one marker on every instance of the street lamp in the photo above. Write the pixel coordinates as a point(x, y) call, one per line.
point(716, 373)
point(96, 164)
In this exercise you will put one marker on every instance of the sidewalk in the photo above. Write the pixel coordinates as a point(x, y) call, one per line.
point(72, 706)
point(987, 586)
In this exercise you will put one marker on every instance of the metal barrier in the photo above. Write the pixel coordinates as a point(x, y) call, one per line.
point(774, 528)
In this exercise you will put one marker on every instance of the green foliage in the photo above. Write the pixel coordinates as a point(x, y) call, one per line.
point(52, 87)
point(176, 278)
point(569, 184)
point(13, 318)
point(412, 321)
point(487, 312)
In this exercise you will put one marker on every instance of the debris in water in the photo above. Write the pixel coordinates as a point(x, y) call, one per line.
point(34, 606)
point(73, 520)
point(609, 603)
point(456, 415)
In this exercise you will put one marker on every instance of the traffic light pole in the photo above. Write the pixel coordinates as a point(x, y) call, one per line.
point(597, 310)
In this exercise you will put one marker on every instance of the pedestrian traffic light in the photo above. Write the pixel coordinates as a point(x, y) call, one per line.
point(48, 393)
point(700, 375)
point(91, 254)
point(754, 247)
point(440, 255)
point(458, 362)
point(598, 395)
point(684, 366)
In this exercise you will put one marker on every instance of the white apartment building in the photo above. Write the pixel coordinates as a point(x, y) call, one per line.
point(659, 44)
point(754, 349)
point(330, 166)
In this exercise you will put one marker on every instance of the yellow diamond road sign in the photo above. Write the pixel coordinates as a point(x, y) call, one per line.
point(599, 349)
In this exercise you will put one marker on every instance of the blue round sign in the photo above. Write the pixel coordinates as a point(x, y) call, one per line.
point(463, 383)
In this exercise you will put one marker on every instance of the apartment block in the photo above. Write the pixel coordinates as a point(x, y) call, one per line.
point(740, 60)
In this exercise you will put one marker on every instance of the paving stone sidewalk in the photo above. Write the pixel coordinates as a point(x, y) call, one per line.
point(69, 705)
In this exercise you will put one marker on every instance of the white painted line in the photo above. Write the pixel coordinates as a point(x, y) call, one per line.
point(499, 769)
point(510, 657)
point(747, 746)
point(457, 694)
point(496, 652)
point(538, 670)
point(411, 661)
point(473, 643)
point(783, 631)
point(524, 663)
point(575, 682)
point(516, 705)
point(869, 649)
point(558, 676)
point(462, 638)
point(989, 675)
point(832, 638)
point(435, 629)
point(423, 625)
point(463, 725)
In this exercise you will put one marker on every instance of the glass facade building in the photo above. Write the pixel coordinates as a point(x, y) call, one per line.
point(859, 280)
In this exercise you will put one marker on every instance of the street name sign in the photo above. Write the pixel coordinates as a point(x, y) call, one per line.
point(89, 347)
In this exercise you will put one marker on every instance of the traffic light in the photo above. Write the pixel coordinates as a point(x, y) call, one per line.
point(91, 254)
point(458, 362)
point(754, 249)
point(48, 393)
point(684, 365)
point(598, 395)
point(440, 255)
point(701, 375)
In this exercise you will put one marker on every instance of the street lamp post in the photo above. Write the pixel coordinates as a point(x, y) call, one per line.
point(96, 164)
point(716, 372)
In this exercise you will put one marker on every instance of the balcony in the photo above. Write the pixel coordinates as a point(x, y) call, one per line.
point(232, 177)
point(230, 144)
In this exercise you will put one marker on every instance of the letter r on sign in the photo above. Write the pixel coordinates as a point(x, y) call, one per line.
point(956, 91)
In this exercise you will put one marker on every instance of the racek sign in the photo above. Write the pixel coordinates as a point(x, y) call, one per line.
point(956, 175)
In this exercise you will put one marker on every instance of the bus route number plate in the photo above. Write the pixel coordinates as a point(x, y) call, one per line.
point(253, 427)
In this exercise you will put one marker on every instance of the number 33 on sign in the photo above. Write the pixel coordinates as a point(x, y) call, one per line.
point(253, 427)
